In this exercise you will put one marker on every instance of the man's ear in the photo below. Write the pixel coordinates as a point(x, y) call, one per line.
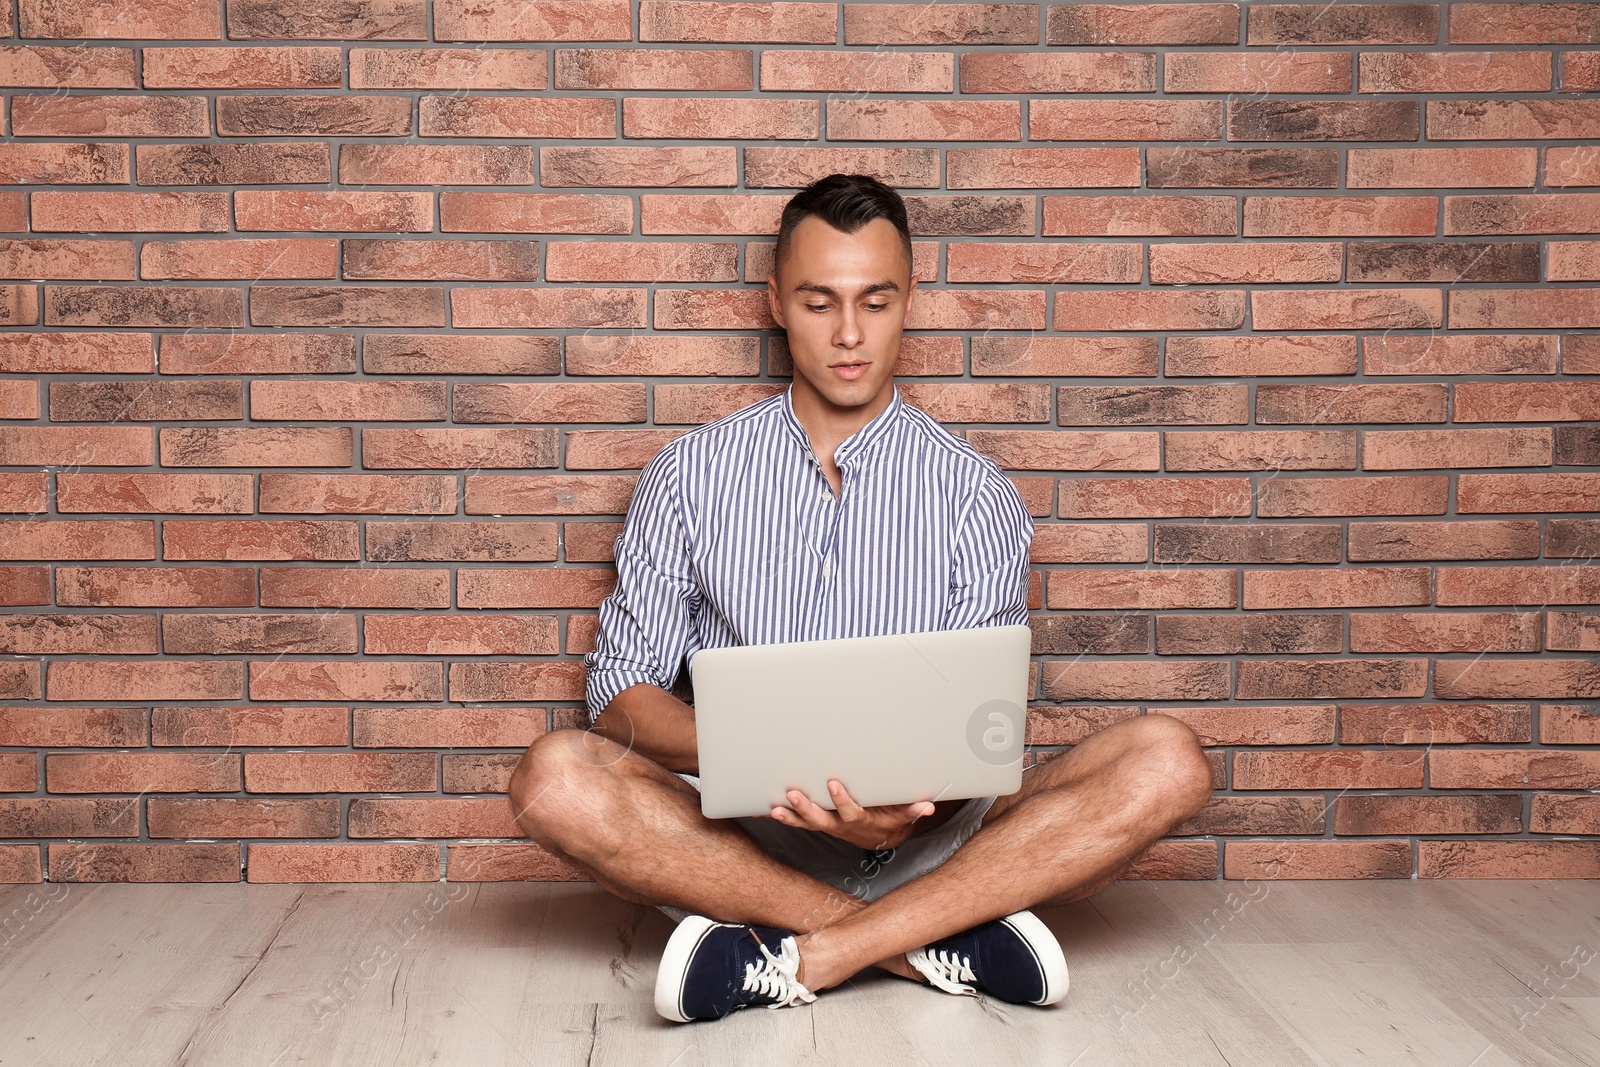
point(773, 302)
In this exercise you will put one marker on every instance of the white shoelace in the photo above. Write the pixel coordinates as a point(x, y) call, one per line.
point(775, 978)
point(945, 970)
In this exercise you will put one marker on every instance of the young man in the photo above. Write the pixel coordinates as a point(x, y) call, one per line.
point(832, 509)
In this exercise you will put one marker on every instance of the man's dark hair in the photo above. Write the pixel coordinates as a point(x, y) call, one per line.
point(846, 202)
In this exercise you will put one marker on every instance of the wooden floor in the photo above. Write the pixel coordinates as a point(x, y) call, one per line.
point(1453, 973)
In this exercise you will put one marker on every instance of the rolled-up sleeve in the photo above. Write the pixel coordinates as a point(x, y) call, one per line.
point(646, 622)
point(989, 581)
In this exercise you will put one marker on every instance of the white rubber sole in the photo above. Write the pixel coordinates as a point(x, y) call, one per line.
point(675, 958)
point(1046, 949)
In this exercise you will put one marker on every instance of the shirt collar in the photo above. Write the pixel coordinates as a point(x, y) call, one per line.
point(858, 443)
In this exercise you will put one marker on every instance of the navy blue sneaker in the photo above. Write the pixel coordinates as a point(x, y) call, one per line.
point(1015, 959)
point(710, 969)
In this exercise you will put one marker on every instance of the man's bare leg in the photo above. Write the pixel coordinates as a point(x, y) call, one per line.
point(1078, 820)
point(637, 829)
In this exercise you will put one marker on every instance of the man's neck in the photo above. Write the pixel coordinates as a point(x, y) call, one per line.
point(828, 426)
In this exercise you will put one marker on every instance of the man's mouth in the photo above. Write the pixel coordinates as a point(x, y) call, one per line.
point(850, 371)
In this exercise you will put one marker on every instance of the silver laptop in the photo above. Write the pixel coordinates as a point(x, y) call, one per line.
point(935, 715)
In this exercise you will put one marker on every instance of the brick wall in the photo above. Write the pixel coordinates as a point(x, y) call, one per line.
point(335, 336)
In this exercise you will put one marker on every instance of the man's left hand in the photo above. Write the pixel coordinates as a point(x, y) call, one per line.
point(884, 826)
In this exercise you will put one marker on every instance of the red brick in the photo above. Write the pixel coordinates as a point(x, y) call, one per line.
point(1530, 119)
point(62, 164)
point(515, 682)
point(1021, 168)
point(1433, 449)
point(1508, 214)
point(1354, 495)
point(1259, 356)
point(1091, 405)
point(442, 817)
point(1064, 356)
point(799, 70)
point(110, 116)
point(534, 213)
point(368, 305)
point(1350, 403)
point(354, 587)
point(615, 449)
point(460, 541)
point(1317, 860)
point(265, 540)
point(247, 817)
point(1572, 631)
point(325, 114)
point(1527, 492)
point(499, 727)
point(703, 69)
point(255, 724)
point(1145, 497)
point(648, 355)
point(603, 165)
point(158, 401)
point(1273, 72)
point(69, 817)
point(451, 260)
point(1043, 72)
point(1142, 24)
point(274, 863)
point(534, 587)
point(74, 727)
point(214, 634)
point(52, 66)
point(449, 68)
point(77, 539)
point(132, 305)
point(1349, 587)
point(482, 772)
point(1134, 216)
point(1524, 23)
point(1328, 769)
point(1210, 310)
point(155, 586)
point(336, 401)
point(1580, 72)
point(1044, 262)
point(49, 258)
point(282, 679)
point(580, 308)
point(387, 20)
point(1288, 725)
point(24, 586)
point(233, 164)
point(455, 449)
point(720, 119)
point(1552, 678)
point(1570, 166)
point(1508, 859)
point(1527, 401)
point(76, 353)
point(539, 20)
point(1455, 72)
point(1496, 309)
point(552, 402)
point(517, 116)
point(1056, 450)
point(87, 680)
point(786, 167)
point(1118, 680)
point(519, 861)
point(358, 494)
point(1202, 168)
point(712, 213)
point(1346, 309)
point(1513, 769)
point(1323, 120)
point(21, 493)
point(139, 212)
point(248, 259)
point(1420, 632)
point(156, 493)
point(931, 24)
point(393, 353)
point(1564, 814)
point(460, 635)
point(109, 861)
point(1462, 354)
point(548, 494)
point(342, 210)
point(433, 164)
point(142, 772)
point(1568, 724)
point(311, 67)
point(1122, 120)
point(341, 772)
point(237, 353)
point(1433, 724)
point(1482, 813)
point(19, 774)
point(1344, 23)
point(880, 119)
point(19, 679)
point(1425, 168)
point(1444, 539)
point(1210, 264)
point(642, 261)
point(725, 21)
point(1443, 261)
point(1512, 585)
point(39, 634)
point(680, 404)
point(1180, 542)
point(1332, 679)
point(1339, 216)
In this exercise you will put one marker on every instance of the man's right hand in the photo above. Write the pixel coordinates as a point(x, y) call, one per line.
point(883, 826)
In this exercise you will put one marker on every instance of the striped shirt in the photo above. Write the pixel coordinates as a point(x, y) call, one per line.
point(734, 537)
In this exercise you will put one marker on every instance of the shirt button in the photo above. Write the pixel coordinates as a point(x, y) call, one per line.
point(827, 569)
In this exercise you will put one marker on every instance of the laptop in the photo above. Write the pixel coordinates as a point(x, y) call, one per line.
point(933, 715)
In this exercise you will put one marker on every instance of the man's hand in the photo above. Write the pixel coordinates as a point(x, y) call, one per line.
point(885, 826)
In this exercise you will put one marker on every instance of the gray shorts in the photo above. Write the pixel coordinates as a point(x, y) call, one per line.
point(861, 872)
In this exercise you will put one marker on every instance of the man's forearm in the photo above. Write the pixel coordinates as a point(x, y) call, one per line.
point(653, 723)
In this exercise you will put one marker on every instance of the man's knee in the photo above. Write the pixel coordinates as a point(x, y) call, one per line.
point(1173, 755)
point(548, 768)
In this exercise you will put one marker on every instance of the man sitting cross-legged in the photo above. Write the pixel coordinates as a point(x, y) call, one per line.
point(832, 509)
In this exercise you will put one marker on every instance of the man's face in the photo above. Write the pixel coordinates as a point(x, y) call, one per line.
point(844, 299)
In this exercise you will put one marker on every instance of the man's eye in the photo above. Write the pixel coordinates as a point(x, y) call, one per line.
point(876, 307)
point(816, 307)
